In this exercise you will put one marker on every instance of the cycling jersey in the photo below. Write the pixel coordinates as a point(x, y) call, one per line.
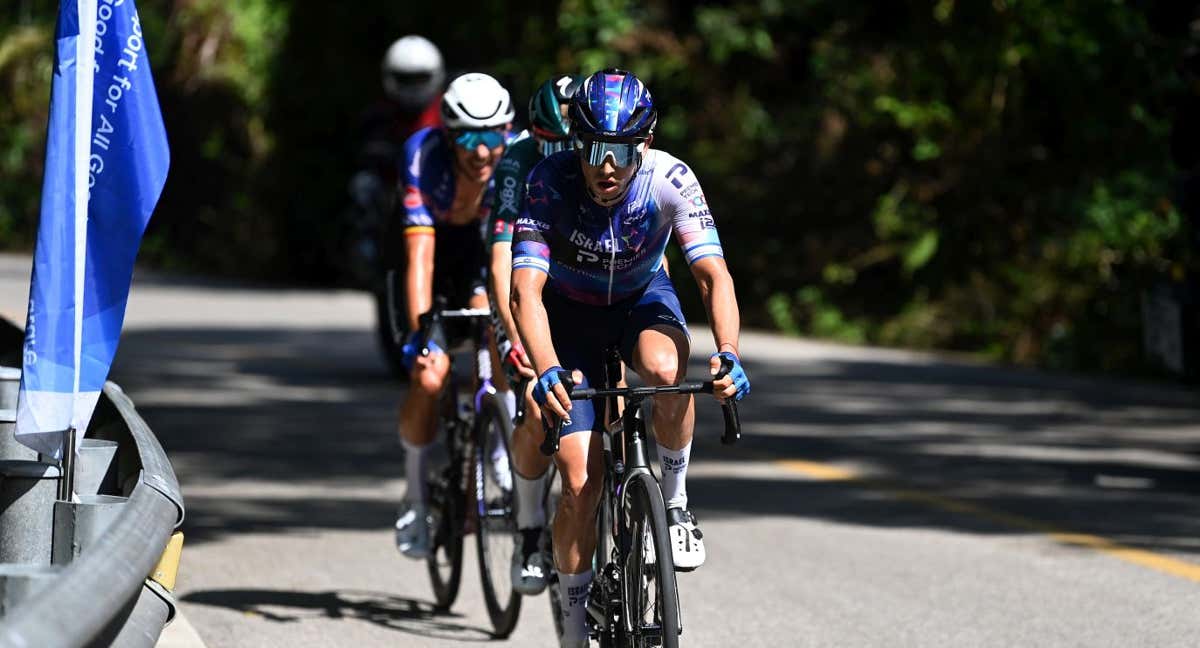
point(601, 255)
point(511, 172)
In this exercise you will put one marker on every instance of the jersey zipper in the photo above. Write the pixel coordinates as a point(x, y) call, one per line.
point(612, 259)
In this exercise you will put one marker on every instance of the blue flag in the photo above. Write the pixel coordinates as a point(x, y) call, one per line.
point(106, 163)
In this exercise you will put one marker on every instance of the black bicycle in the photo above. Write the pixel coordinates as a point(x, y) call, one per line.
point(633, 600)
point(466, 495)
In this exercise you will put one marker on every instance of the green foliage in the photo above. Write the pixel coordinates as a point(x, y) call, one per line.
point(26, 59)
point(994, 177)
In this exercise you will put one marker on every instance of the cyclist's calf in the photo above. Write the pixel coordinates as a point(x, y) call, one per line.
point(528, 459)
point(580, 464)
point(419, 408)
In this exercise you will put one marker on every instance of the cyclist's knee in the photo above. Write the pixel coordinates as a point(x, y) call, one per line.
point(661, 366)
point(581, 489)
point(432, 378)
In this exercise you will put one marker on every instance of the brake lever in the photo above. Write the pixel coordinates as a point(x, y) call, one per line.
point(549, 445)
point(553, 431)
point(519, 415)
point(733, 423)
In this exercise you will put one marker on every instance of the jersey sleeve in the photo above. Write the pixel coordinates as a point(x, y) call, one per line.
point(529, 235)
point(509, 196)
point(417, 219)
point(682, 201)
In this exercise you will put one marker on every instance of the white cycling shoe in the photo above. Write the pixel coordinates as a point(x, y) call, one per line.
point(687, 542)
point(412, 534)
point(528, 571)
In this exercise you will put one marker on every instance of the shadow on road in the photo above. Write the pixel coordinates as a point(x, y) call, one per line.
point(317, 410)
point(1112, 458)
point(395, 613)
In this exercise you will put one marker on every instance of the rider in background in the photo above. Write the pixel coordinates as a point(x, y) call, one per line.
point(446, 199)
point(412, 74)
point(550, 133)
point(588, 273)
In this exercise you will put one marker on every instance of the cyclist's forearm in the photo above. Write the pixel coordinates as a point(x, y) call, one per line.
point(418, 277)
point(533, 324)
point(716, 289)
point(499, 280)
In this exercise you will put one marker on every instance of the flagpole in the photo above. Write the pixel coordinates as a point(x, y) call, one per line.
point(66, 483)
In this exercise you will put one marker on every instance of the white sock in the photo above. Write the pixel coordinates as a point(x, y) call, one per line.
point(416, 459)
point(674, 465)
point(530, 512)
point(498, 444)
point(573, 590)
point(510, 401)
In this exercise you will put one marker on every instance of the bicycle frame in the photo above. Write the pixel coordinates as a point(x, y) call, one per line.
point(479, 318)
point(626, 459)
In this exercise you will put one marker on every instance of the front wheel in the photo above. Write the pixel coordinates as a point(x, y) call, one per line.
point(496, 536)
point(446, 531)
point(651, 599)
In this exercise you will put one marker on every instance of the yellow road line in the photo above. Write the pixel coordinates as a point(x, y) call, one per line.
point(821, 471)
point(1158, 562)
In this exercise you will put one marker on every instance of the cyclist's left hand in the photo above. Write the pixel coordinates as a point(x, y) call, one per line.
point(734, 384)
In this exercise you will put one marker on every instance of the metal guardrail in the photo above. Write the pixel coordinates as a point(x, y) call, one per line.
point(104, 596)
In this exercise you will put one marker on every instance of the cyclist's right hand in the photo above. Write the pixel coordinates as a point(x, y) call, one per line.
point(550, 394)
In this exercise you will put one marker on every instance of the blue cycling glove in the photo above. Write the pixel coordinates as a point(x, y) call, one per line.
point(740, 381)
point(545, 383)
point(412, 348)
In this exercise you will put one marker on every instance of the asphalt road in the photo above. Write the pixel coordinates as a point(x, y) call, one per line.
point(879, 498)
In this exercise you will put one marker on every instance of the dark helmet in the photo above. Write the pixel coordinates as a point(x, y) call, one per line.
point(612, 103)
point(545, 106)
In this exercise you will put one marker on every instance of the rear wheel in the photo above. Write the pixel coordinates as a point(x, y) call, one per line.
point(447, 512)
point(651, 599)
point(389, 325)
point(495, 539)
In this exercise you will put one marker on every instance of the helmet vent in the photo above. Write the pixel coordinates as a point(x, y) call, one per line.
point(495, 111)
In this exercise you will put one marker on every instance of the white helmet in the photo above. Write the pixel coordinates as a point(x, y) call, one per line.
point(476, 100)
point(413, 72)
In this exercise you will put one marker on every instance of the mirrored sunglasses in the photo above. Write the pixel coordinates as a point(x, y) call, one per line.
point(471, 139)
point(594, 151)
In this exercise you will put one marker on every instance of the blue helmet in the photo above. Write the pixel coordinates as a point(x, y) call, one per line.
point(613, 104)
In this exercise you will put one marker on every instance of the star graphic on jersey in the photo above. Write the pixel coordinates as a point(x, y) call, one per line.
point(540, 186)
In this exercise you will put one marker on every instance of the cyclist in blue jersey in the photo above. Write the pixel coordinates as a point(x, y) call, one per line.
point(588, 273)
point(447, 197)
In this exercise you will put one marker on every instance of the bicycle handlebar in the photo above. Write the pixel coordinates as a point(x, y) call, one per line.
point(432, 319)
point(465, 313)
point(733, 424)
